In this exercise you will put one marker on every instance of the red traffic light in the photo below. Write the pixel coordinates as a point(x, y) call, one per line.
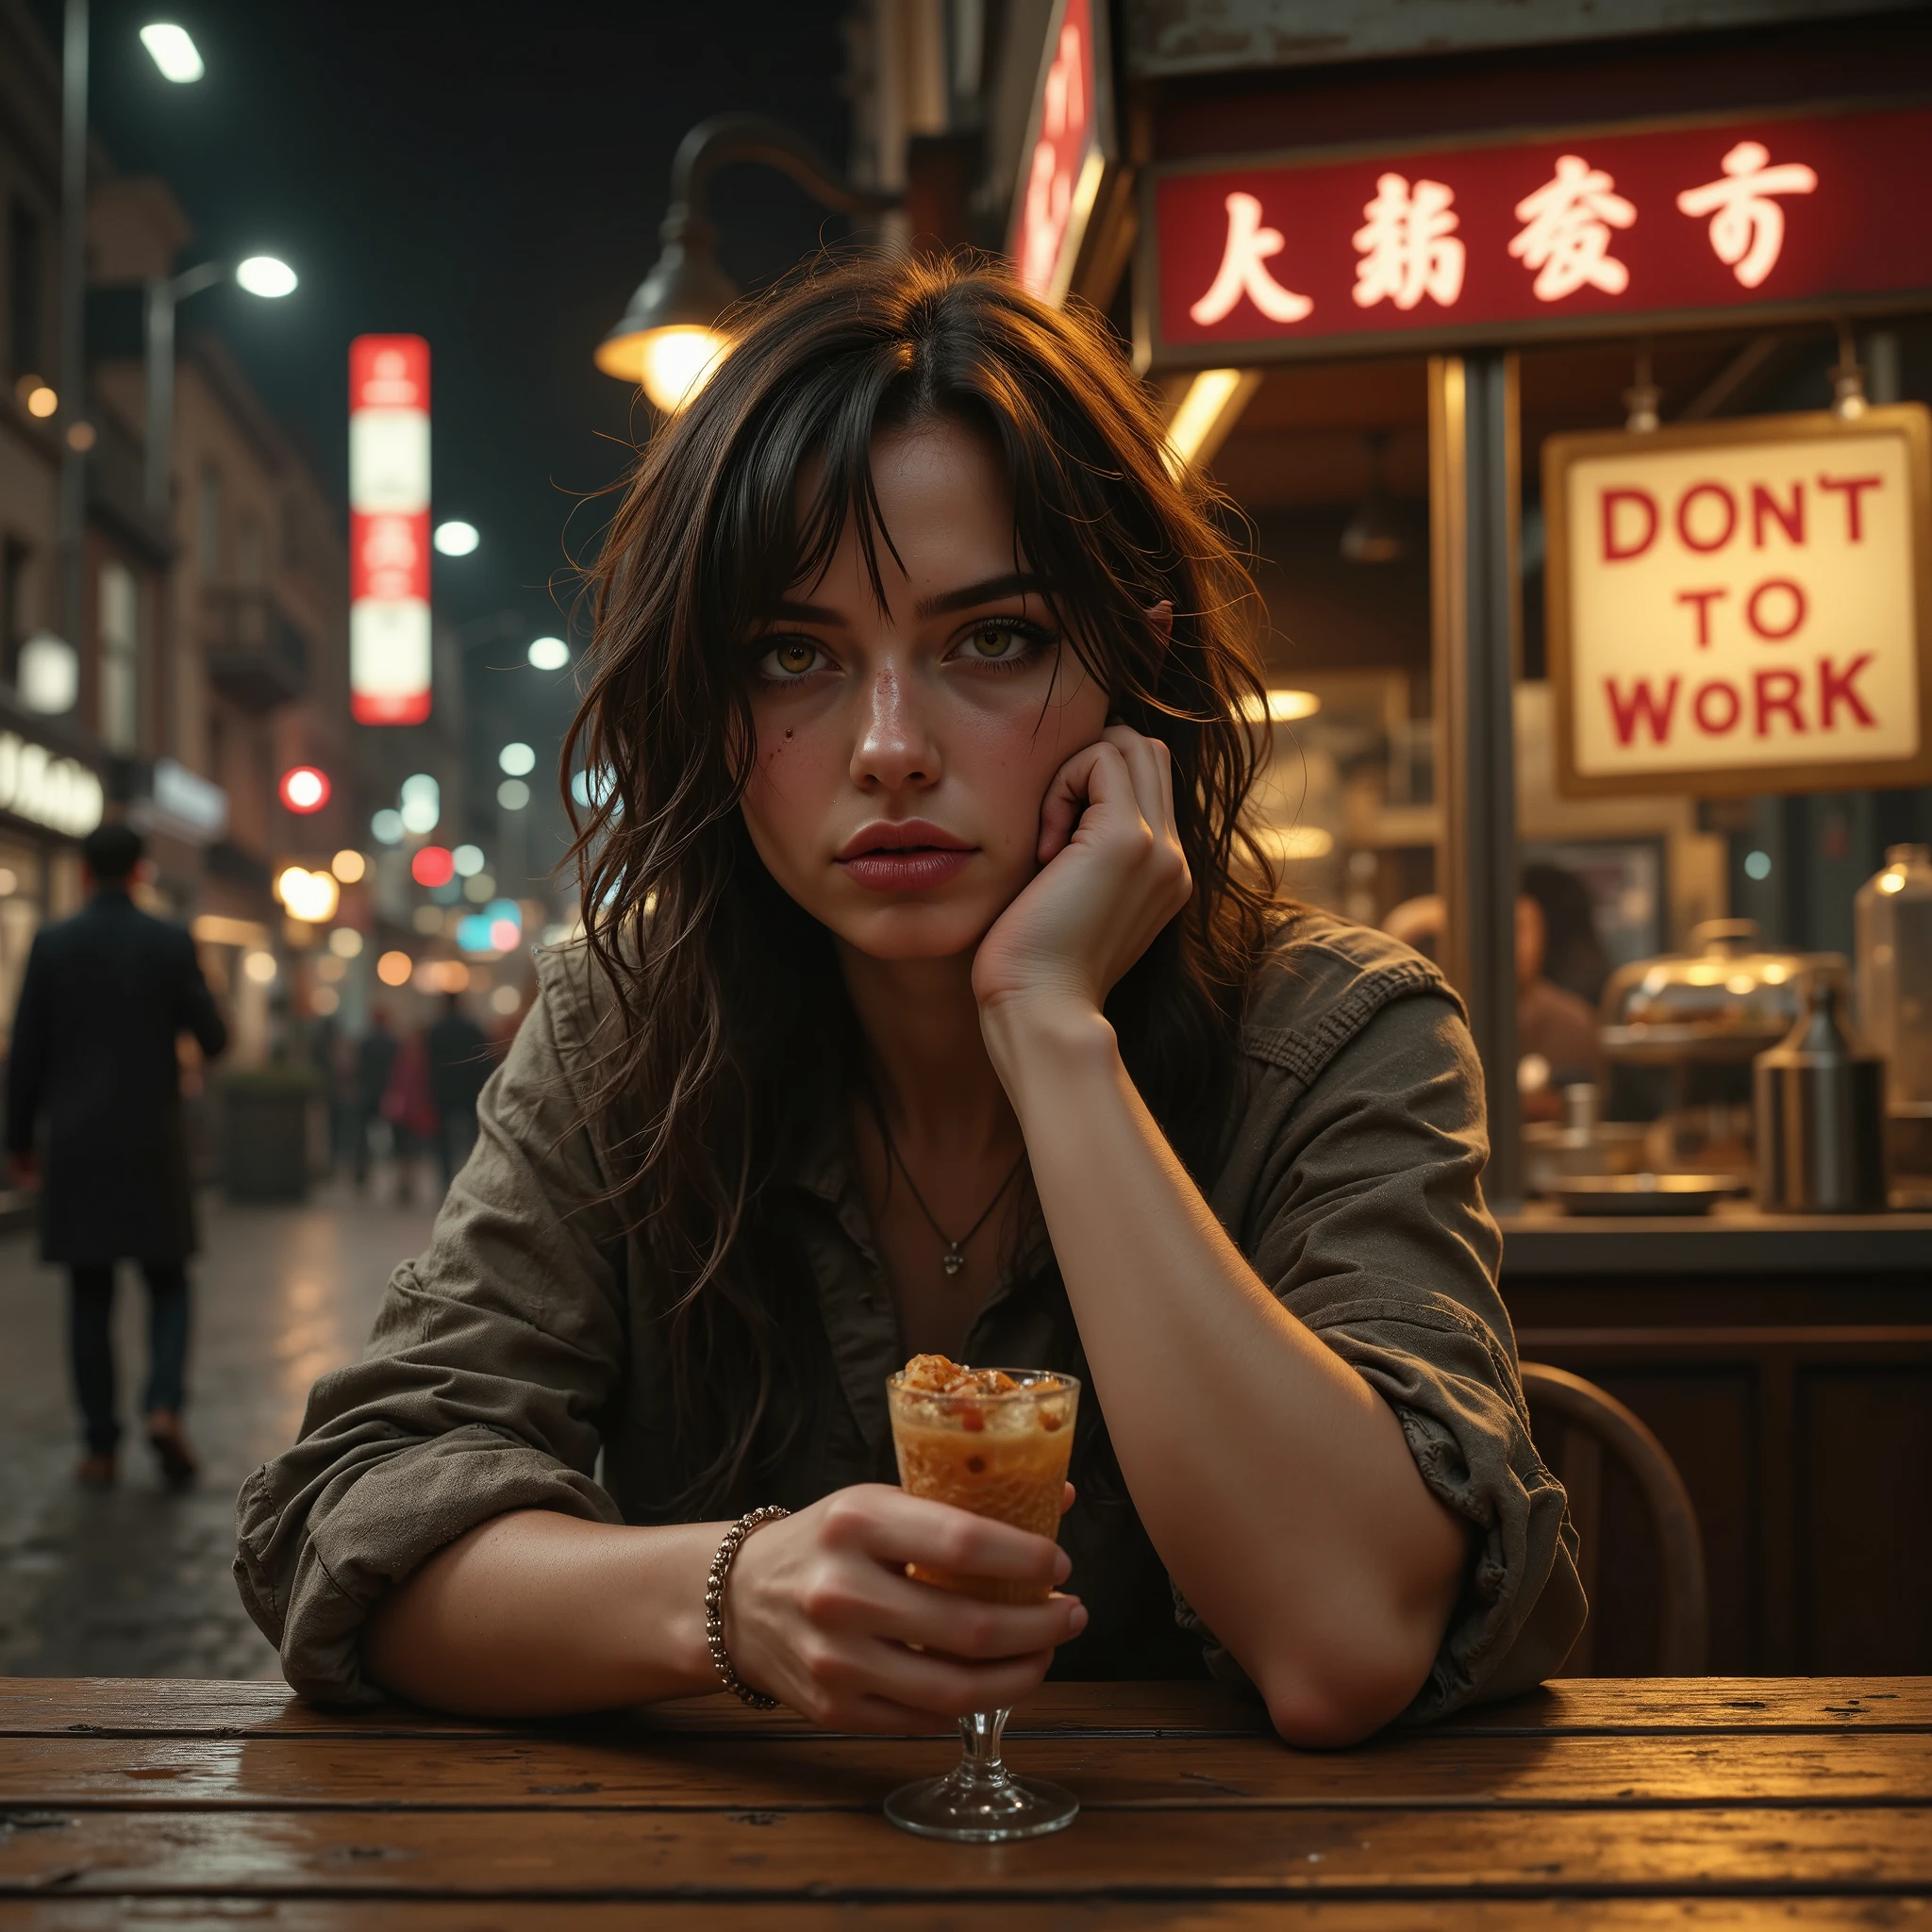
point(303, 789)
point(433, 865)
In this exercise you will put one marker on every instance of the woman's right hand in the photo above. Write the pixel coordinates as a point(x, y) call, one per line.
point(820, 1613)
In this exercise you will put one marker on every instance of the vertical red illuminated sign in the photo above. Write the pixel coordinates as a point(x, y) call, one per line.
point(1065, 154)
point(388, 529)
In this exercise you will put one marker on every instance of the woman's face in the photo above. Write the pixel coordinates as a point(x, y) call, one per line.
point(904, 749)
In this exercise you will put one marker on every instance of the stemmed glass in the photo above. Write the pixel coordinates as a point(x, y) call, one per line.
point(1005, 1455)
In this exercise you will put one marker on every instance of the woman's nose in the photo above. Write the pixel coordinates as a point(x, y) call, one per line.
point(894, 746)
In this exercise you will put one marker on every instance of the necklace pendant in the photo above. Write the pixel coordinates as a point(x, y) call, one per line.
point(953, 1259)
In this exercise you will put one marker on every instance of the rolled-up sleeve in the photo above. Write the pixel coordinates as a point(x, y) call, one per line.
point(1364, 1213)
point(484, 1387)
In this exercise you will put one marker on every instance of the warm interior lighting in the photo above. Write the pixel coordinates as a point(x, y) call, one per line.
point(41, 401)
point(393, 969)
point(173, 51)
point(1891, 882)
point(671, 364)
point(1295, 841)
point(1210, 408)
point(348, 865)
point(345, 942)
point(264, 276)
point(1282, 708)
point(260, 967)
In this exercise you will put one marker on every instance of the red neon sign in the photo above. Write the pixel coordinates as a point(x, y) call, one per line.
point(1566, 231)
point(388, 529)
point(1065, 156)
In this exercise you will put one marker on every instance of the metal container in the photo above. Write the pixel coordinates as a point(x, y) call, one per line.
point(1720, 1004)
point(1821, 1116)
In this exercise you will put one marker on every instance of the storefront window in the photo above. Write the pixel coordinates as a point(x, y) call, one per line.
point(1689, 754)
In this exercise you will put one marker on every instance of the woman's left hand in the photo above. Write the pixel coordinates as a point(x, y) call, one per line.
point(1112, 876)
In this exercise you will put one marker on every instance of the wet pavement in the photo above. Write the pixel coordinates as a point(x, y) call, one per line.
point(135, 1581)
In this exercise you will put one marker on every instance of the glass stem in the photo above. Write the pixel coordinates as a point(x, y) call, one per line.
point(979, 1740)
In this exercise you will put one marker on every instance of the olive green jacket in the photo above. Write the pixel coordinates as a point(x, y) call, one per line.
point(519, 1362)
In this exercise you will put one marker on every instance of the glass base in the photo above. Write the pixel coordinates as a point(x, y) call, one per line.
point(978, 1810)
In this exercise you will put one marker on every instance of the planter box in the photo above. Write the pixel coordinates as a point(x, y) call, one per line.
point(266, 1134)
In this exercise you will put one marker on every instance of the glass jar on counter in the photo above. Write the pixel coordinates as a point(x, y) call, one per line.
point(1894, 944)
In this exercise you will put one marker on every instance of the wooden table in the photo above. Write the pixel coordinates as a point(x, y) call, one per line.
point(1639, 1803)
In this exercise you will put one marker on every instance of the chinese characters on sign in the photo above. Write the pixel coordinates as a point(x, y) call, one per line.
point(1407, 245)
point(1066, 155)
point(1747, 228)
point(1566, 232)
point(1737, 600)
point(1682, 220)
point(388, 529)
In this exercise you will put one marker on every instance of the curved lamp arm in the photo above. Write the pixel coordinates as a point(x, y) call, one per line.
point(728, 138)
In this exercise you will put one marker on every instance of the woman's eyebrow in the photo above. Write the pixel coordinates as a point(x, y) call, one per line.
point(1014, 584)
point(803, 613)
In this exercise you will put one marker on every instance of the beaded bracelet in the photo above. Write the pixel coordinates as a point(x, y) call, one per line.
point(714, 1605)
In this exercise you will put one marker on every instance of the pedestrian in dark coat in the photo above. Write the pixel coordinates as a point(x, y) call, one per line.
point(107, 995)
point(459, 1063)
point(375, 1057)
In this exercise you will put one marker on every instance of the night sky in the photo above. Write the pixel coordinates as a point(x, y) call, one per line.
point(490, 176)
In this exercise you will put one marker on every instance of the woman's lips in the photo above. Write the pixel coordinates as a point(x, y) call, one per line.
point(909, 855)
point(907, 869)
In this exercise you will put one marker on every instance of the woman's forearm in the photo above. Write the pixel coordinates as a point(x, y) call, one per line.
point(538, 1614)
point(1274, 1482)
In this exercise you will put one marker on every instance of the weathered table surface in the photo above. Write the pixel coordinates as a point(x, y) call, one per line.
point(1704, 1802)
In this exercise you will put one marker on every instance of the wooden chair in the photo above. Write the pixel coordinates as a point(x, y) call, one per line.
point(1594, 1421)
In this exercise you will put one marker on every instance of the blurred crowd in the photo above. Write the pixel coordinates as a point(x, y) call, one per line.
point(407, 1099)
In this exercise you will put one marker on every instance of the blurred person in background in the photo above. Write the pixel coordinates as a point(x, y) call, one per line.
point(1556, 1031)
point(459, 1062)
point(106, 997)
point(375, 1057)
point(1573, 953)
point(408, 1105)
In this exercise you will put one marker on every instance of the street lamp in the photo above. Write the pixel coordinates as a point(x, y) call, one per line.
point(173, 51)
point(260, 275)
point(669, 340)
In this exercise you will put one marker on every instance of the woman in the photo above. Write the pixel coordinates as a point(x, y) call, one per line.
point(927, 1003)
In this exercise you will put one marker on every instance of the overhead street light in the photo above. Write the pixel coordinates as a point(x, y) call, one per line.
point(260, 275)
point(174, 50)
point(549, 654)
point(456, 538)
point(669, 340)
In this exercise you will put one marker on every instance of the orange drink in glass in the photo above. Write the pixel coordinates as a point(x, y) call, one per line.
point(996, 1442)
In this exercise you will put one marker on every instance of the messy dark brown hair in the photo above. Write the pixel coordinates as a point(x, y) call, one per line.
point(726, 1024)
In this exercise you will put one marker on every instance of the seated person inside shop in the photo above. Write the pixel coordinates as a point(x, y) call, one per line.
point(932, 999)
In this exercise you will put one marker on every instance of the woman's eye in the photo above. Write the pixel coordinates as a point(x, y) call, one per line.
point(998, 644)
point(791, 657)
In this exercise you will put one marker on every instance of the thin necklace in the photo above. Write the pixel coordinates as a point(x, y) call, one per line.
point(954, 1259)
